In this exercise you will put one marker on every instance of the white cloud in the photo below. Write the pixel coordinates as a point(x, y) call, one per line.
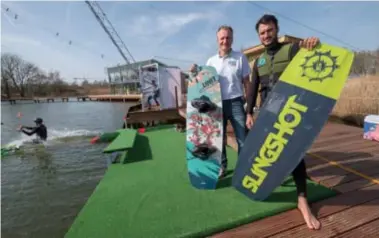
point(145, 34)
point(158, 28)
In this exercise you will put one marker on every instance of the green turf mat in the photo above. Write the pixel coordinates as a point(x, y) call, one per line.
point(108, 136)
point(151, 196)
point(123, 141)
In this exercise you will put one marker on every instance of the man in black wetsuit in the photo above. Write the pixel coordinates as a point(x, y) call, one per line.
point(265, 73)
point(40, 130)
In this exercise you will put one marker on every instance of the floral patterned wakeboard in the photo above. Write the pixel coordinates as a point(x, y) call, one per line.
point(204, 128)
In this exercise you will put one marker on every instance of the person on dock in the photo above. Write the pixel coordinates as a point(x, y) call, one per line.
point(267, 29)
point(233, 70)
point(40, 130)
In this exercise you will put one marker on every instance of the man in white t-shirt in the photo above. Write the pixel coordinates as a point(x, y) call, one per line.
point(233, 70)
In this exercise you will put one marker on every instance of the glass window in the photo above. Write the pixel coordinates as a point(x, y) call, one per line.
point(116, 78)
point(112, 77)
point(124, 74)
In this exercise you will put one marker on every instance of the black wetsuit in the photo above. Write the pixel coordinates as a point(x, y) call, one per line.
point(299, 174)
point(40, 130)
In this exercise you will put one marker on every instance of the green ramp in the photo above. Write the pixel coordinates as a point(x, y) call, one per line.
point(123, 141)
point(108, 136)
point(152, 197)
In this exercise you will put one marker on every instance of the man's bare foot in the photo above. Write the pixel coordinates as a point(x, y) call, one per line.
point(308, 216)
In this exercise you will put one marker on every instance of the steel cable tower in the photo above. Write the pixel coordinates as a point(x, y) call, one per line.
point(109, 29)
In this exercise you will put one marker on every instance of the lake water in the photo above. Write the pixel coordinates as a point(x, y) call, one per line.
point(43, 189)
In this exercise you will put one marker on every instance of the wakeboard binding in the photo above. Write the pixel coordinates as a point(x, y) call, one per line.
point(203, 151)
point(203, 104)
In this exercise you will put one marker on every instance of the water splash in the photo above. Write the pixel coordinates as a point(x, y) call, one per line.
point(54, 136)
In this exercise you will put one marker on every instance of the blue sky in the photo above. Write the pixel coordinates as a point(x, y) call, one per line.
point(177, 30)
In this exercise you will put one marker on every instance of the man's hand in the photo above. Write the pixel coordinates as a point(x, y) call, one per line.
point(309, 43)
point(20, 127)
point(249, 121)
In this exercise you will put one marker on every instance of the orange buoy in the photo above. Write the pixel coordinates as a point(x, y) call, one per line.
point(95, 139)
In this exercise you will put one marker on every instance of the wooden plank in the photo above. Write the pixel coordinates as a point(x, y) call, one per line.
point(353, 152)
point(368, 230)
point(348, 156)
point(347, 181)
point(328, 171)
point(292, 219)
point(346, 178)
point(343, 158)
point(343, 150)
point(313, 163)
point(332, 139)
point(167, 114)
point(332, 130)
point(343, 145)
point(351, 186)
point(340, 144)
point(339, 222)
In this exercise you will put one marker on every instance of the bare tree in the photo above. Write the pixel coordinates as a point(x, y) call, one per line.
point(85, 83)
point(39, 85)
point(57, 84)
point(5, 87)
point(8, 68)
point(18, 71)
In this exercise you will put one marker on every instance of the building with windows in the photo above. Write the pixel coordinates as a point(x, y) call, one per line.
point(124, 79)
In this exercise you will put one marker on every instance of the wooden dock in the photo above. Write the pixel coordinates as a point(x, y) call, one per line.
point(339, 159)
point(158, 115)
point(136, 118)
point(13, 100)
point(105, 97)
point(116, 97)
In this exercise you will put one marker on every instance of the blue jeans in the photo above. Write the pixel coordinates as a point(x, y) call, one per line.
point(234, 111)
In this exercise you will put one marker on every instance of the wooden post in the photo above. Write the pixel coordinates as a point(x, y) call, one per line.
point(176, 97)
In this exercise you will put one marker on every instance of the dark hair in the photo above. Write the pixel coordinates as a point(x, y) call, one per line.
point(265, 19)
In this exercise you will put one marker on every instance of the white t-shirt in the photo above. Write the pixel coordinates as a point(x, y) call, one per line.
point(231, 69)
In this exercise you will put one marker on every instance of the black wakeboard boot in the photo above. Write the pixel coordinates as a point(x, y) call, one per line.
point(203, 104)
point(203, 151)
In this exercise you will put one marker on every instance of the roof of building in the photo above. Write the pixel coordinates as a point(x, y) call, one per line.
point(136, 64)
point(257, 49)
